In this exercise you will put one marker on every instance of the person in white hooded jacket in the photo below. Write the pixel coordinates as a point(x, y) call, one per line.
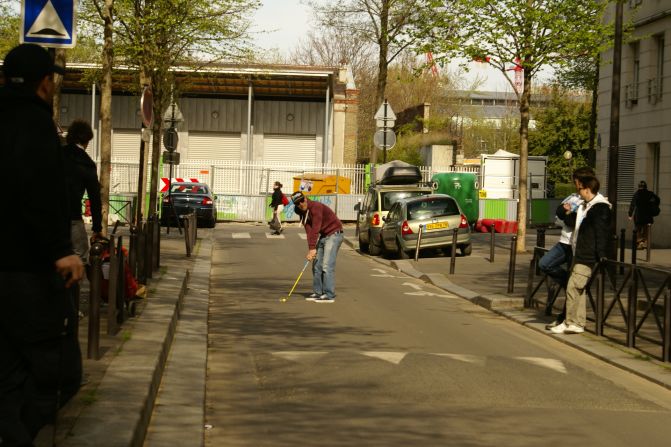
point(590, 243)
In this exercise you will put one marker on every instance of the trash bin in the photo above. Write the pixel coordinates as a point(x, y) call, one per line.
point(463, 186)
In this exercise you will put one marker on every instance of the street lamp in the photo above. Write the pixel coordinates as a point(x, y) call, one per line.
point(568, 156)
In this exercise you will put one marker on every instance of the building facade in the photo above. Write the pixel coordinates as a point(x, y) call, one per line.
point(645, 112)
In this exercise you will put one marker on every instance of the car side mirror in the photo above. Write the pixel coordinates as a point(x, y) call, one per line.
point(385, 219)
point(357, 207)
point(215, 197)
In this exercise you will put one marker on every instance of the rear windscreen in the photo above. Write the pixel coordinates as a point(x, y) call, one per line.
point(429, 208)
point(188, 189)
point(391, 197)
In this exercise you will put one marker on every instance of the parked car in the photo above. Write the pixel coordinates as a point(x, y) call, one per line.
point(371, 211)
point(439, 215)
point(184, 197)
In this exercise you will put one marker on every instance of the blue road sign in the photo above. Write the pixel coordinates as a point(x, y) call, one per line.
point(50, 23)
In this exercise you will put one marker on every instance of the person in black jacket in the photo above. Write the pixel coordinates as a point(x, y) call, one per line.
point(590, 243)
point(640, 211)
point(277, 204)
point(39, 354)
point(82, 176)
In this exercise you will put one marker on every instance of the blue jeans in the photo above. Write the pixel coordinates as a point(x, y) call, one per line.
point(552, 263)
point(323, 267)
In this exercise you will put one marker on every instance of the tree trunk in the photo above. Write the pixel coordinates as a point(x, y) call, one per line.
point(59, 59)
point(106, 113)
point(524, 163)
point(155, 150)
point(383, 65)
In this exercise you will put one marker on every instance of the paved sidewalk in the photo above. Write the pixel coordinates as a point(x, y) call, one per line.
point(486, 283)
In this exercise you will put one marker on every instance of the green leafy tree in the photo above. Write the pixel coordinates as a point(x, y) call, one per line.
point(391, 26)
point(562, 126)
point(529, 34)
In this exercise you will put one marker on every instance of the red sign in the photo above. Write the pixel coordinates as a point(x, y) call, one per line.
point(166, 182)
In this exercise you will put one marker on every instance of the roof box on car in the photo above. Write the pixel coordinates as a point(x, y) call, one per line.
point(397, 173)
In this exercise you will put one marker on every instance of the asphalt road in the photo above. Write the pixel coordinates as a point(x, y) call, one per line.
point(395, 362)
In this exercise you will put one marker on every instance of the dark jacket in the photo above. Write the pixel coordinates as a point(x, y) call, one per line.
point(319, 221)
point(593, 234)
point(277, 198)
point(34, 220)
point(640, 206)
point(82, 176)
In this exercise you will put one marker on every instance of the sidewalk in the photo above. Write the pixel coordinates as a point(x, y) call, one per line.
point(486, 283)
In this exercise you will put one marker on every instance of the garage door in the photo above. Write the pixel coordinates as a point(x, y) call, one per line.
point(214, 146)
point(289, 148)
point(126, 144)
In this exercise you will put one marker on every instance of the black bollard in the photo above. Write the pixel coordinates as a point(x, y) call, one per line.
point(622, 242)
point(419, 242)
point(511, 266)
point(132, 250)
point(492, 238)
point(453, 252)
point(93, 348)
point(633, 247)
point(649, 244)
point(540, 237)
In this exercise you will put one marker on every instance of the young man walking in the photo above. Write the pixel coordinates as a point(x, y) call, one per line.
point(324, 235)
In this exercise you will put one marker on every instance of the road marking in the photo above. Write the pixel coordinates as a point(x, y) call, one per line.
point(553, 364)
point(241, 236)
point(384, 274)
point(297, 356)
point(391, 357)
point(274, 236)
point(414, 286)
point(420, 292)
point(476, 359)
point(303, 236)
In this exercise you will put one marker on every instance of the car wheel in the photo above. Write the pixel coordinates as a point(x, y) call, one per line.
point(402, 254)
point(466, 250)
point(362, 245)
point(374, 248)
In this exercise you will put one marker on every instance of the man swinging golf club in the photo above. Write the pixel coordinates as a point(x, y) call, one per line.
point(324, 236)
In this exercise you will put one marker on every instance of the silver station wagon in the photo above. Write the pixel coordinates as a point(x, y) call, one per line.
point(437, 214)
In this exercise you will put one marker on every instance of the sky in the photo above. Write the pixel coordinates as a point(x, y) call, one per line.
point(280, 24)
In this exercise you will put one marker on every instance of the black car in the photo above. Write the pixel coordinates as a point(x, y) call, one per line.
point(184, 197)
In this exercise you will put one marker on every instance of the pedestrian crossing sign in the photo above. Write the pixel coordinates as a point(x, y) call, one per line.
point(50, 23)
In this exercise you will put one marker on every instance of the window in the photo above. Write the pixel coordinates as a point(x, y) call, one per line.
point(654, 158)
point(659, 40)
point(430, 208)
point(389, 198)
point(636, 65)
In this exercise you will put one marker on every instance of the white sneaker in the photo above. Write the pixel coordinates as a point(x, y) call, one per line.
point(312, 297)
point(559, 329)
point(574, 329)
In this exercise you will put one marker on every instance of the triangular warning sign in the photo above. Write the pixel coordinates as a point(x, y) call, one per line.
point(48, 24)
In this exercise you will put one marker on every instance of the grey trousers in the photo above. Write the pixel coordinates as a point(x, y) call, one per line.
point(576, 298)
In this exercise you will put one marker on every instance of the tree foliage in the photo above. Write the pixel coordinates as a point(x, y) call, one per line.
point(528, 34)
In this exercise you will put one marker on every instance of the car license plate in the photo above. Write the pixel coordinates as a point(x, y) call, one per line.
point(437, 226)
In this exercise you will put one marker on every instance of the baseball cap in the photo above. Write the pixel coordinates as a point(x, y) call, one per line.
point(28, 63)
point(297, 197)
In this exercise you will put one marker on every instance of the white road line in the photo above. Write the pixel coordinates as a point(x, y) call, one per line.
point(298, 356)
point(391, 357)
point(476, 359)
point(384, 274)
point(241, 236)
point(553, 364)
point(274, 236)
point(303, 236)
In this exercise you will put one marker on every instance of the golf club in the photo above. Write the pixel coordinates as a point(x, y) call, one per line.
point(285, 298)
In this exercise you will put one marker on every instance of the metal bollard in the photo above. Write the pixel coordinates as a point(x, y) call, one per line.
point(492, 238)
point(93, 348)
point(112, 289)
point(453, 252)
point(540, 237)
point(132, 250)
point(149, 247)
point(633, 247)
point(649, 246)
point(622, 242)
point(419, 242)
point(157, 245)
point(511, 266)
point(187, 235)
point(141, 245)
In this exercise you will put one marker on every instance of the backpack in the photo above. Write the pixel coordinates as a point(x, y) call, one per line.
point(285, 201)
point(653, 205)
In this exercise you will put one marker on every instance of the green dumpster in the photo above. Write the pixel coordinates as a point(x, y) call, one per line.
point(463, 186)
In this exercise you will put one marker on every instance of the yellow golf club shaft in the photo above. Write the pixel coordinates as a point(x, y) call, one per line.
point(298, 279)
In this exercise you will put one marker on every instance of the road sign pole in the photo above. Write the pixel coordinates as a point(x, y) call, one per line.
point(384, 140)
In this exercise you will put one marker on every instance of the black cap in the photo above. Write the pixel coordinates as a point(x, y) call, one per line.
point(28, 63)
point(297, 197)
point(642, 184)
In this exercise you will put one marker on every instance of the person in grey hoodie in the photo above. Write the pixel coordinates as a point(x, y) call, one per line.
point(590, 244)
